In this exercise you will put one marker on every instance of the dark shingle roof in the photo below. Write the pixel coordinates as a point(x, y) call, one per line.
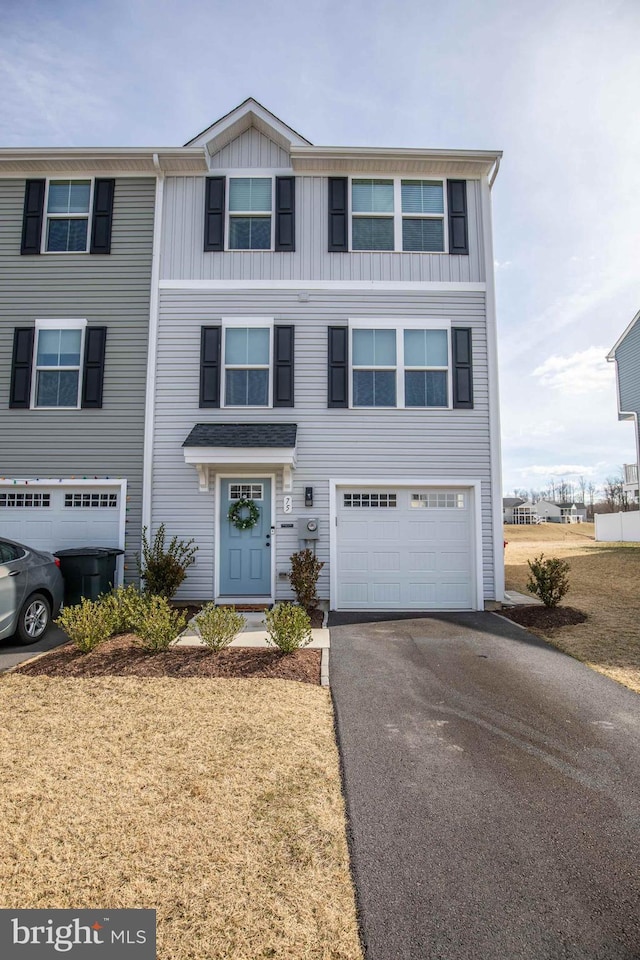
point(242, 435)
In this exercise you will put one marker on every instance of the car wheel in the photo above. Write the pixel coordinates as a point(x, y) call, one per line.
point(34, 619)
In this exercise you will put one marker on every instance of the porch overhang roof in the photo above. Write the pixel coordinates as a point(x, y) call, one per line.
point(242, 443)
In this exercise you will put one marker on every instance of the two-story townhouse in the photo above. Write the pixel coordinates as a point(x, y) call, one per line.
point(76, 262)
point(626, 354)
point(323, 370)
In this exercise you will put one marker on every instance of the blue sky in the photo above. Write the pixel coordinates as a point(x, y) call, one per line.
point(553, 83)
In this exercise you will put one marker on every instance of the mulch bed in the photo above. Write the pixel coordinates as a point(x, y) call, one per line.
point(544, 618)
point(120, 657)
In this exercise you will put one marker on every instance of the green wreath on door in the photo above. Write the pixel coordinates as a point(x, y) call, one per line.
point(249, 520)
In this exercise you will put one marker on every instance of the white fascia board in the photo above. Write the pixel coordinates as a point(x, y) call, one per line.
point(612, 353)
point(485, 159)
point(278, 456)
point(125, 161)
point(248, 114)
point(419, 286)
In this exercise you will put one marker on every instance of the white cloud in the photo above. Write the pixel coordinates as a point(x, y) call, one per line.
point(559, 470)
point(580, 373)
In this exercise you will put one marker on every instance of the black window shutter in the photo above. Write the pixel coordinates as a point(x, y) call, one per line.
point(462, 368)
point(457, 203)
point(93, 375)
point(32, 217)
point(338, 212)
point(338, 367)
point(210, 341)
point(103, 191)
point(214, 214)
point(286, 213)
point(20, 395)
point(283, 367)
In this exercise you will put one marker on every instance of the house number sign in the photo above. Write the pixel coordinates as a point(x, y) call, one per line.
point(287, 505)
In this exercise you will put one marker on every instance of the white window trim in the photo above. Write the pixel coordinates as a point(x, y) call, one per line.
point(256, 322)
point(66, 216)
point(257, 174)
point(397, 215)
point(413, 323)
point(57, 325)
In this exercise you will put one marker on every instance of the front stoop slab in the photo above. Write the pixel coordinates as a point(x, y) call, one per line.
point(253, 635)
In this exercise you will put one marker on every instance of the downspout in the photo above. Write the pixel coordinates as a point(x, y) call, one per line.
point(494, 394)
point(154, 310)
point(494, 173)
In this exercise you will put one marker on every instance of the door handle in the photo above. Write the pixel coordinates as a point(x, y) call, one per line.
point(14, 573)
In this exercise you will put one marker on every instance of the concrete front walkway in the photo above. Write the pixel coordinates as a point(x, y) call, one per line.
point(253, 635)
point(493, 793)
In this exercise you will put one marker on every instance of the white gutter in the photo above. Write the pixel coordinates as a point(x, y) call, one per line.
point(154, 313)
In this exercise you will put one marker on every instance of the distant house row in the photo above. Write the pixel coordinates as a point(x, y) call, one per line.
point(519, 511)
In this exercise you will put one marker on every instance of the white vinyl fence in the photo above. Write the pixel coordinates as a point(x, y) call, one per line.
point(623, 527)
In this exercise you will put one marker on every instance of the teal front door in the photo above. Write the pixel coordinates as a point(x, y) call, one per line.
point(245, 555)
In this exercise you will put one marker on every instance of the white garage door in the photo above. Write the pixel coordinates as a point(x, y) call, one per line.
point(62, 515)
point(405, 549)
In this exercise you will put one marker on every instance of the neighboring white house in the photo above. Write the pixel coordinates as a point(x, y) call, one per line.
point(508, 504)
point(630, 486)
point(547, 511)
point(323, 344)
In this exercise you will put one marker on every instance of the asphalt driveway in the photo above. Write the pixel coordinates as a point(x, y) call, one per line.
point(493, 793)
point(12, 653)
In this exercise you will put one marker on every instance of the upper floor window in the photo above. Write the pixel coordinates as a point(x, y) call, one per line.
point(249, 213)
point(67, 216)
point(58, 355)
point(247, 362)
point(397, 214)
point(422, 215)
point(68, 206)
point(250, 207)
point(400, 367)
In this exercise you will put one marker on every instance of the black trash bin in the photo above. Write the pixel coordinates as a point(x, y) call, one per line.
point(87, 571)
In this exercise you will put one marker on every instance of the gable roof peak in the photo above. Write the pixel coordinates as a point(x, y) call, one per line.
point(249, 113)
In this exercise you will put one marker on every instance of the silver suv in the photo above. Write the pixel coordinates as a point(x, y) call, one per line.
point(31, 591)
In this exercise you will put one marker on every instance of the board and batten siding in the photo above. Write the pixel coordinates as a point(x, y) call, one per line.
point(183, 257)
point(251, 149)
point(332, 443)
point(111, 290)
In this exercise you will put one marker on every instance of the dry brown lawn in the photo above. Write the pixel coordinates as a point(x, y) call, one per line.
point(216, 802)
point(605, 584)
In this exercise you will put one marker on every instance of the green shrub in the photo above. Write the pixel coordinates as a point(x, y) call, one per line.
point(163, 568)
point(86, 624)
point(288, 626)
point(122, 608)
point(158, 624)
point(305, 570)
point(219, 625)
point(549, 579)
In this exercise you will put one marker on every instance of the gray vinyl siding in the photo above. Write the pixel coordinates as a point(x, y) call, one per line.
point(251, 149)
point(110, 290)
point(183, 257)
point(385, 444)
point(628, 361)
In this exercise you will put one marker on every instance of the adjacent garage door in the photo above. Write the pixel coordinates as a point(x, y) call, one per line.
point(62, 515)
point(405, 548)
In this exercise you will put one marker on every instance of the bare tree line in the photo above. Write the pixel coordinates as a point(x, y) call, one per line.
point(609, 497)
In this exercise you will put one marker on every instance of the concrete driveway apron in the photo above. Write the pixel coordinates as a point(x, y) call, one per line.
point(493, 793)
